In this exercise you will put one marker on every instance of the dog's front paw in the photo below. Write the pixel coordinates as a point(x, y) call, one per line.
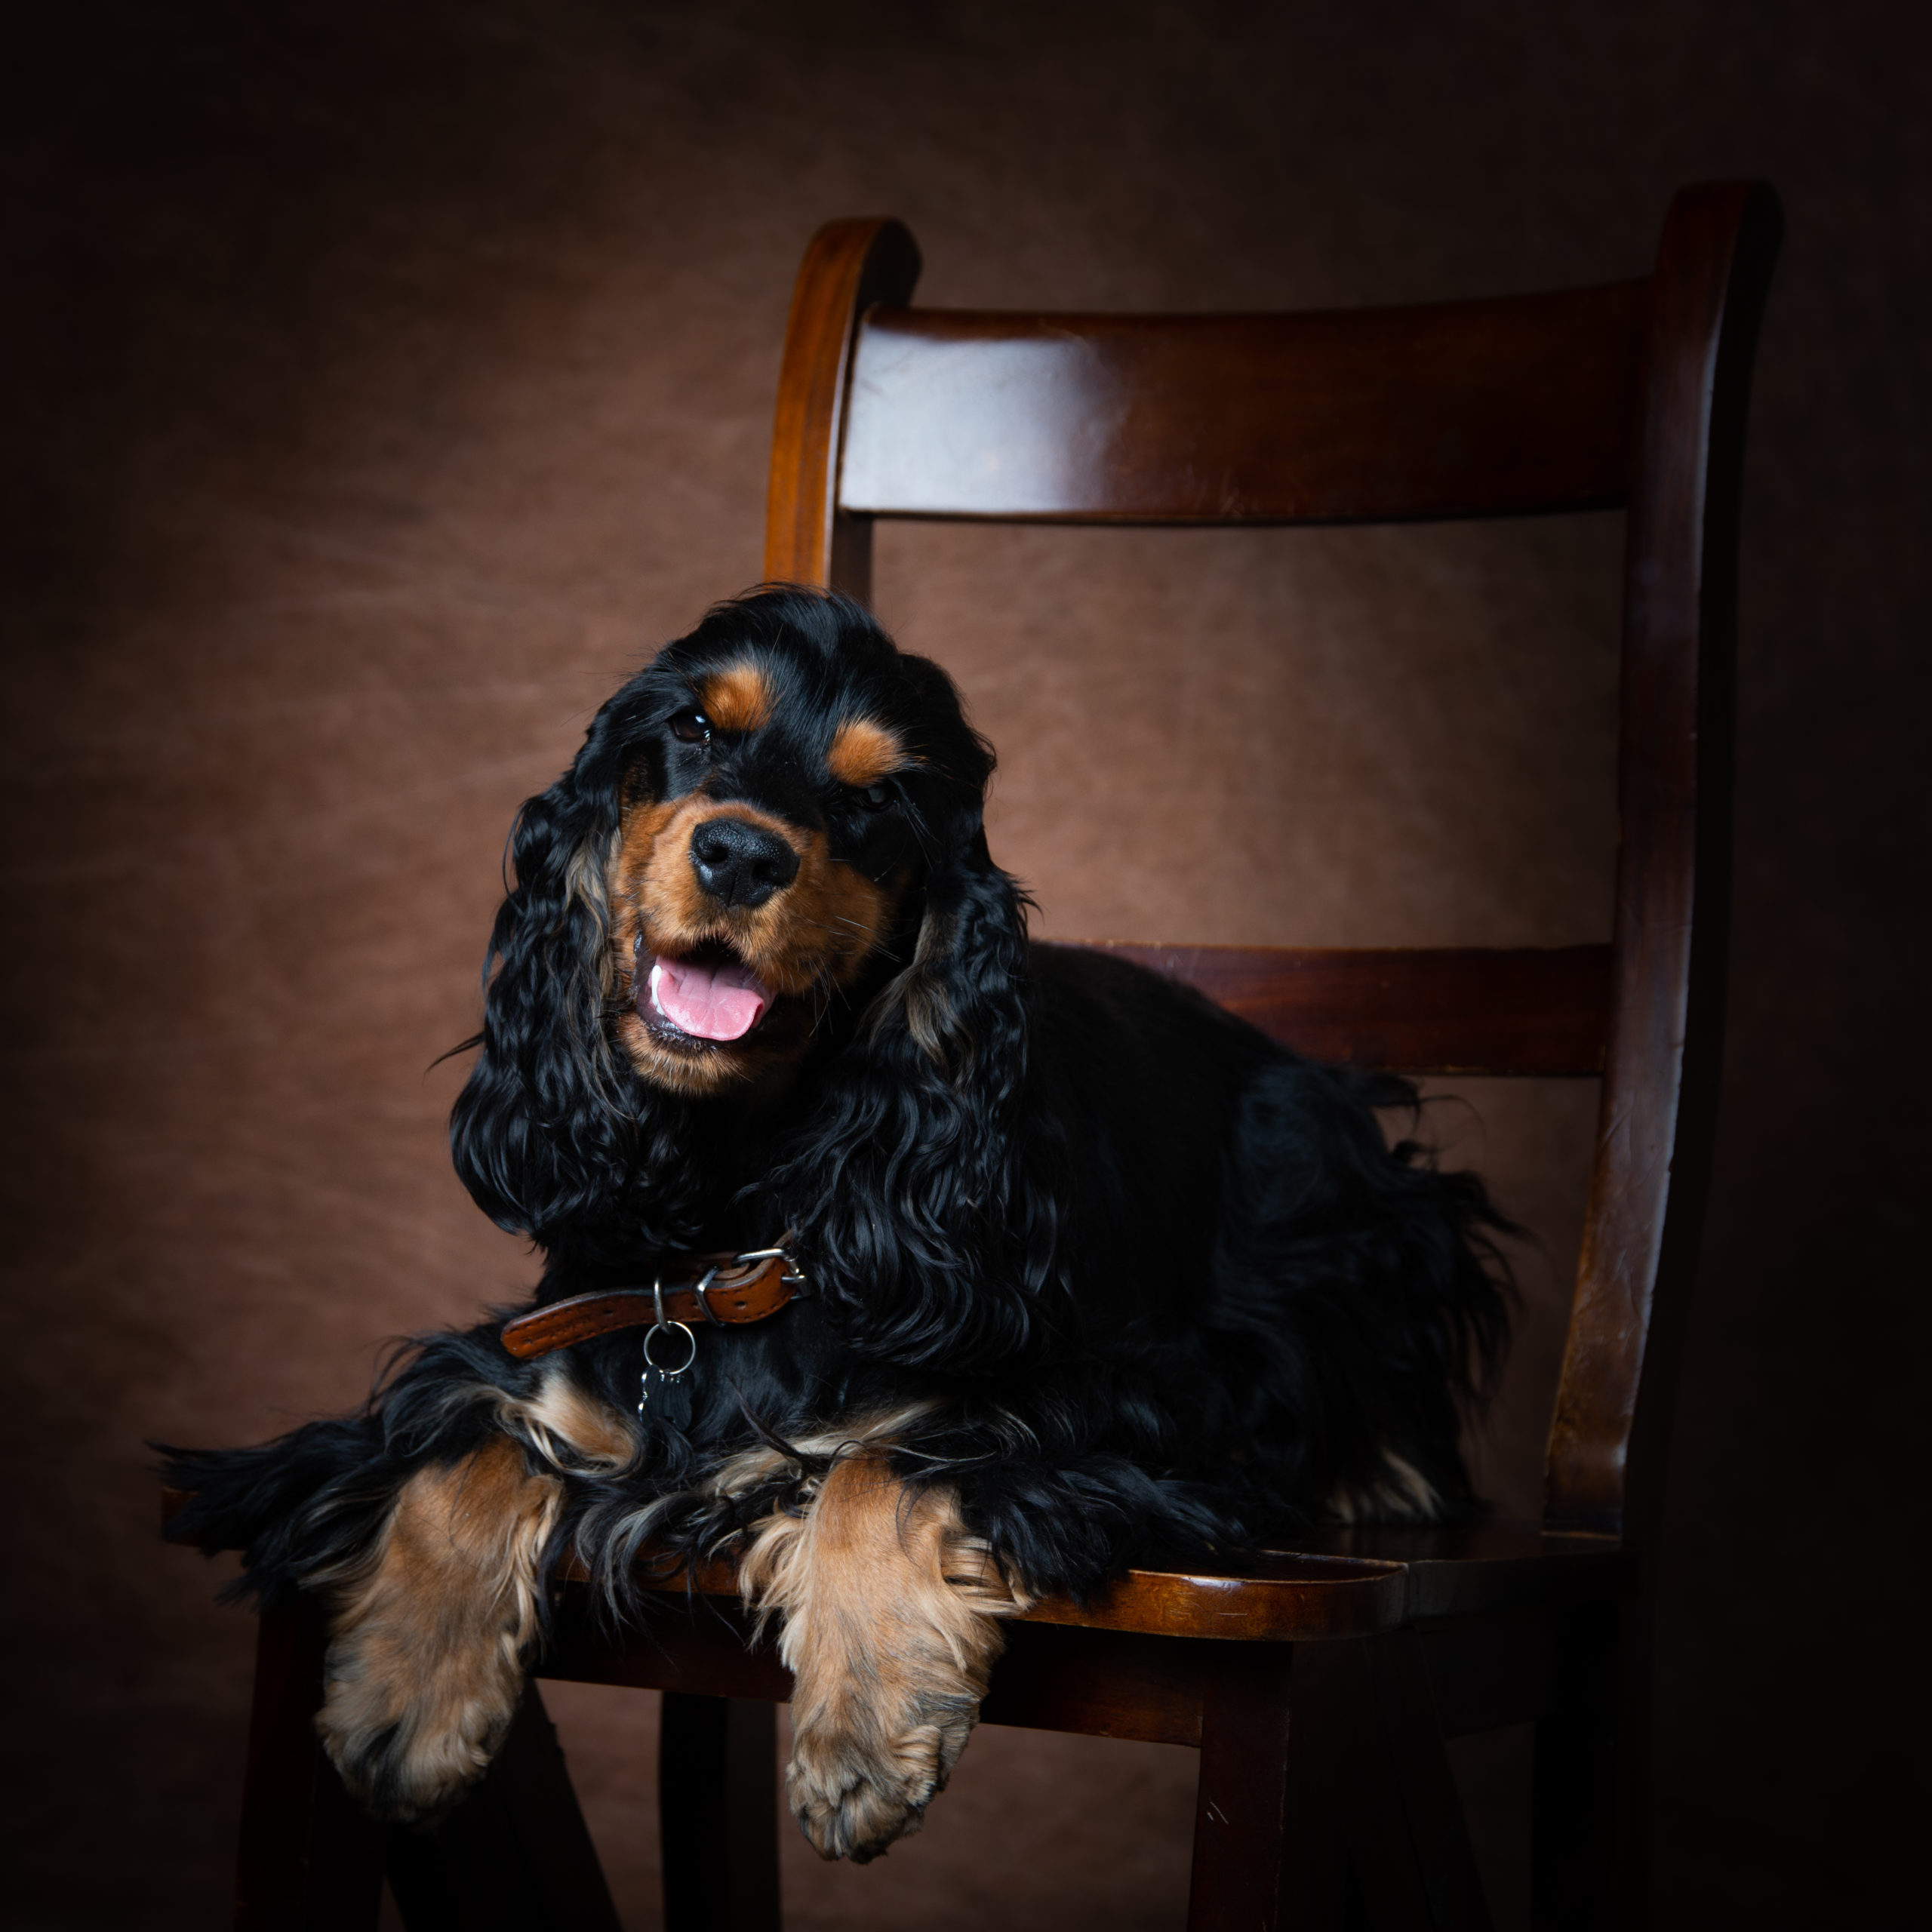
point(891, 1617)
point(861, 1777)
point(409, 1730)
point(425, 1664)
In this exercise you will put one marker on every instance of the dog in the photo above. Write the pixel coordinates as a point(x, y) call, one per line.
point(996, 1265)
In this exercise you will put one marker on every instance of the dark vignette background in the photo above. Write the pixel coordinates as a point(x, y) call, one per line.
point(383, 381)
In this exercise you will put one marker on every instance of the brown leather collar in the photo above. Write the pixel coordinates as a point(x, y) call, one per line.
point(722, 1288)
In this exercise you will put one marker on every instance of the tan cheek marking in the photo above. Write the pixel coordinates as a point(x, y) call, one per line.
point(832, 917)
point(738, 698)
point(643, 825)
point(864, 752)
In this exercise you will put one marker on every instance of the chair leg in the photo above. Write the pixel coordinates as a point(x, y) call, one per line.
point(308, 1860)
point(717, 1798)
point(1266, 1854)
point(1408, 1839)
point(515, 1854)
point(1326, 1797)
point(1587, 1858)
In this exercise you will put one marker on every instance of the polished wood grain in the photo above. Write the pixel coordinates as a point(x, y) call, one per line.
point(1477, 1569)
point(1409, 1844)
point(1285, 1598)
point(1274, 1721)
point(1659, 1109)
point(1289, 1598)
point(1335, 1583)
point(1096, 1683)
point(1459, 409)
point(849, 267)
point(720, 1858)
point(1470, 1010)
point(308, 1861)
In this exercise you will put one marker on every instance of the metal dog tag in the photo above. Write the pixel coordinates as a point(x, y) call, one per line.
point(664, 1394)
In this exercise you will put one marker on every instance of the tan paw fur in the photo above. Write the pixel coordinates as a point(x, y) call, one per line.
point(890, 1633)
point(425, 1665)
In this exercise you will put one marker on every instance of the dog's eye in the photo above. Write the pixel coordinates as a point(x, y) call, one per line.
point(693, 727)
point(875, 798)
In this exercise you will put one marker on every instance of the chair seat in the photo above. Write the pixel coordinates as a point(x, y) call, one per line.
point(1478, 1603)
point(1354, 1582)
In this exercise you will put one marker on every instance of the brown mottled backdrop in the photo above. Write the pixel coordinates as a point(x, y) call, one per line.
point(386, 379)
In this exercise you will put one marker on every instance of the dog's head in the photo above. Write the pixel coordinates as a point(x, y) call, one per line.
point(786, 782)
point(770, 847)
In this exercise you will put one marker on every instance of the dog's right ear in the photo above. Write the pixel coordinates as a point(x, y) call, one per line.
point(545, 1133)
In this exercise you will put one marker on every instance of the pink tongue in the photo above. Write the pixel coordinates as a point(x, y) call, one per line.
point(714, 1002)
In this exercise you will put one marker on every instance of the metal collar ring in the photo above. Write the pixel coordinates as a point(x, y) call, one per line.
point(690, 1343)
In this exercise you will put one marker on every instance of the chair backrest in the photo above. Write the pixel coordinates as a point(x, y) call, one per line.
point(1630, 394)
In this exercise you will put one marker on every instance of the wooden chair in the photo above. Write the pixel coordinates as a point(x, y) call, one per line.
point(1320, 1686)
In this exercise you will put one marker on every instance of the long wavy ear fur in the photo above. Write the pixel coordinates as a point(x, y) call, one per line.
point(929, 1225)
point(551, 1131)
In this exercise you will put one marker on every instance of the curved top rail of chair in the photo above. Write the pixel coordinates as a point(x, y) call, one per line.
point(1510, 404)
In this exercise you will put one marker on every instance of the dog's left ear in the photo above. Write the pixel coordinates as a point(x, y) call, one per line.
point(931, 1231)
point(551, 1132)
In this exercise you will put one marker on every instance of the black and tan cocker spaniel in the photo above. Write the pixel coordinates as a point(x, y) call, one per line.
point(922, 1268)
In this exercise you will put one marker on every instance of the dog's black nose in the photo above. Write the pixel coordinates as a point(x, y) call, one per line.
point(739, 863)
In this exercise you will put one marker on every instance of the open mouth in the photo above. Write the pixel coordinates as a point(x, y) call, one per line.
point(707, 993)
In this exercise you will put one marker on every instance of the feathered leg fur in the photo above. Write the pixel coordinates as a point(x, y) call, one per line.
point(425, 1650)
point(429, 1632)
point(890, 1631)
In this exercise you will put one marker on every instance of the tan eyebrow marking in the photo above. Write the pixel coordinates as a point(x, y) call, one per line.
point(738, 698)
point(864, 752)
